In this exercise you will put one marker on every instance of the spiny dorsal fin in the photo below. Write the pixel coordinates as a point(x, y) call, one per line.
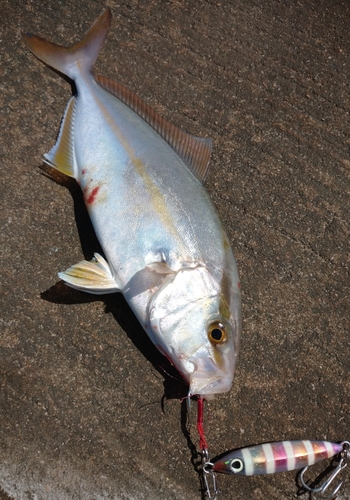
point(62, 156)
point(194, 151)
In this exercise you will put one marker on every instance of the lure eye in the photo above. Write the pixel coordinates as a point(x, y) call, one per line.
point(236, 465)
point(217, 333)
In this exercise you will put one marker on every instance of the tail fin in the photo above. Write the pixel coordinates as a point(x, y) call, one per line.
point(77, 59)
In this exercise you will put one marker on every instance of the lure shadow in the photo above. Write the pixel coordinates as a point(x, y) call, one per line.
point(4, 495)
point(174, 386)
point(318, 482)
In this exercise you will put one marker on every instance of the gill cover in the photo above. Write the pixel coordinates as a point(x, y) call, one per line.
point(186, 324)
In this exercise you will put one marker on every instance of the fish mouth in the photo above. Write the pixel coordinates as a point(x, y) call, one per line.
point(207, 376)
point(203, 383)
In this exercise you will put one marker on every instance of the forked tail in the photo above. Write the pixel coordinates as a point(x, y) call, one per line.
point(75, 60)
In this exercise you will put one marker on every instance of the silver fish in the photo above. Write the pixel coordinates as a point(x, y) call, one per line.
point(165, 248)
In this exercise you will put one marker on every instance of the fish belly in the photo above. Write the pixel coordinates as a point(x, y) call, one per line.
point(144, 203)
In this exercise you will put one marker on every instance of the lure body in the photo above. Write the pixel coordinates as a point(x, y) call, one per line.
point(279, 456)
point(165, 247)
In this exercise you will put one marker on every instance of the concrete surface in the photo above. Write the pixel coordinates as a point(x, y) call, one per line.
point(87, 408)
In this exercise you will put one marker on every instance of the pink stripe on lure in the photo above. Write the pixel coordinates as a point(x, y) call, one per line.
point(280, 456)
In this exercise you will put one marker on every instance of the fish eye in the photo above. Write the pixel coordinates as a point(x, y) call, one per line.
point(236, 465)
point(217, 333)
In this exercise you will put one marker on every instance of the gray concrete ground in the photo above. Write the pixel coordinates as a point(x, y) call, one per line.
point(87, 410)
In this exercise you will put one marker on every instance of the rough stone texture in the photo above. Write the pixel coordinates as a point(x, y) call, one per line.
point(87, 410)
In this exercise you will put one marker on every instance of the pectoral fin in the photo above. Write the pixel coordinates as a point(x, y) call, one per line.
point(92, 276)
point(148, 278)
point(160, 268)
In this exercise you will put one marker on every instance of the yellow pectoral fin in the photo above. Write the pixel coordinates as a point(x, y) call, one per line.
point(93, 276)
point(62, 156)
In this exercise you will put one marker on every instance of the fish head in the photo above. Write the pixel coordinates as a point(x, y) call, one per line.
point(196, 324)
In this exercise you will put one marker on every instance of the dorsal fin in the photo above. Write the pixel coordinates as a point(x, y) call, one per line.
point(194, 151)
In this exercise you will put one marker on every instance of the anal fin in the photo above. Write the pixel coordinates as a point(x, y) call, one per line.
point(62, 156)
point(92, 276)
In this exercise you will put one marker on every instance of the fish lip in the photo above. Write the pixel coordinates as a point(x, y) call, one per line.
point(208, 378)
point(204, 386)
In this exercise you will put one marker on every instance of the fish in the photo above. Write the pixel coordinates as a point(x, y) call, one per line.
point(279, 456)
point(164, 246)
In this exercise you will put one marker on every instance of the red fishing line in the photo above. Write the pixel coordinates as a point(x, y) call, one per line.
point(200, 428)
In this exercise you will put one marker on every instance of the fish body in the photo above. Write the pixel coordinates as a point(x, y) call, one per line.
point(164, 245)
point(279, 456)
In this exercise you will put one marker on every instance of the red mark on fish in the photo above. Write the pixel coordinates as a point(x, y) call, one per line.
point(90, 198)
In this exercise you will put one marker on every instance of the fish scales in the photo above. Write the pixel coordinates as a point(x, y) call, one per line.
point(164, 245)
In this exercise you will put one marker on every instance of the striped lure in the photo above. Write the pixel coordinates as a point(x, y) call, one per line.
point(279, 456)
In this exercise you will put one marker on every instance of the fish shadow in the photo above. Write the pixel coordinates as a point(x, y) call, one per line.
point(174, 386)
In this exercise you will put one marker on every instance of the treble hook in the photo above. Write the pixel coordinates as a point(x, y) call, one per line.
point(208, 471)
point(343, 462)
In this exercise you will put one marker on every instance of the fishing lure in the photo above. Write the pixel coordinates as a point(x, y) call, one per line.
point(279, 456)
